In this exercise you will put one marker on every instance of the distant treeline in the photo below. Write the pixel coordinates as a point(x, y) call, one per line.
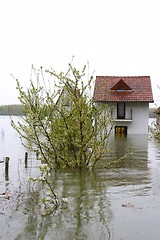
point(15, 109)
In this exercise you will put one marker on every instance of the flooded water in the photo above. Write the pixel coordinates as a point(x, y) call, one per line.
point(117, 203)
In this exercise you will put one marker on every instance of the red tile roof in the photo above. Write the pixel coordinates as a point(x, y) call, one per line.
point(106, 89)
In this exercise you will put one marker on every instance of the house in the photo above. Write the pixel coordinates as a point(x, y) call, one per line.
point(128, 100)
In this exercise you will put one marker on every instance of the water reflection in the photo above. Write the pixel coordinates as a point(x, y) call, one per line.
point(88, 208)
point(85, 213)
point(133, 149)
point(90, 202)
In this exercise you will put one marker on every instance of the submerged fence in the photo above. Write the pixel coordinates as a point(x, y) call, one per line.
point(27, 162)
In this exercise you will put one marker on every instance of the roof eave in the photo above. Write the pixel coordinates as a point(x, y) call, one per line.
point(149, 101)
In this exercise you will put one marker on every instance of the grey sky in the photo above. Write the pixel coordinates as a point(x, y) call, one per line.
point(116, 37)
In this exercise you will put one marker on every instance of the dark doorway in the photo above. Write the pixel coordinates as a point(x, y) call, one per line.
point(121, 130)
point(121, 110)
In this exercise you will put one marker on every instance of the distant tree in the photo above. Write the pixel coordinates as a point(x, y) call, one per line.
point(155, 128)
point(14, 109)
point(152, 112)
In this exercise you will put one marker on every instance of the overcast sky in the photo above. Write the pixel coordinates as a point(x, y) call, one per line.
point(117, 37)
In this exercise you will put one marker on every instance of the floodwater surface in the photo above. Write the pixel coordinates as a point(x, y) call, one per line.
point(121, 202)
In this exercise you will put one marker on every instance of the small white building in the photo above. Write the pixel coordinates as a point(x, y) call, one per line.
point(128, 100)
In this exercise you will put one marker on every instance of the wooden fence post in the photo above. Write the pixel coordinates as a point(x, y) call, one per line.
point(26, 159)
point(6, 168)
point(37, 154)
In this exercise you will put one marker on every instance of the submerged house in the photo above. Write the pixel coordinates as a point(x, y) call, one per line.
point(127, 99)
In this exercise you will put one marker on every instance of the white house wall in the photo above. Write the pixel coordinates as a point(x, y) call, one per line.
point(140, 117)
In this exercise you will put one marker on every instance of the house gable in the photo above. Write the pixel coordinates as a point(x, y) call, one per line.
point(121, 86)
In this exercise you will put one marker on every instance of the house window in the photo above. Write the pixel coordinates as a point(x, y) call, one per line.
point(120, 110)
point(121, 130)
point(120, 88)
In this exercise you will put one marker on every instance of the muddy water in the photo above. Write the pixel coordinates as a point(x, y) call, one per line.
point(119, 203)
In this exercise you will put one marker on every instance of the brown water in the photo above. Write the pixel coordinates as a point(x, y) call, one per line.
point(92, 206)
